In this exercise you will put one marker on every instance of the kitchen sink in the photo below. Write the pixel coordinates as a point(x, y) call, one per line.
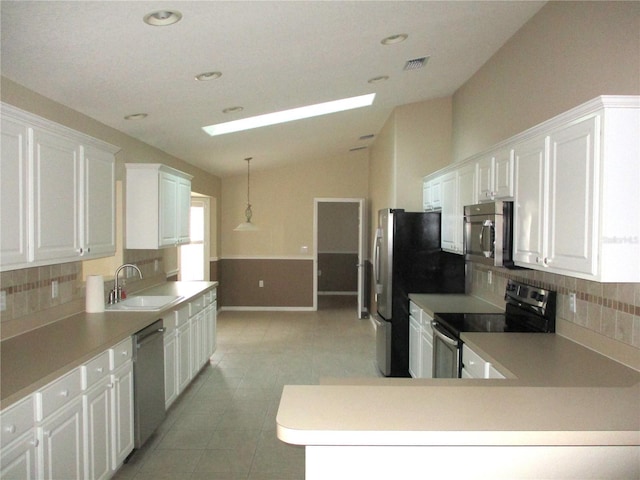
point(141, 303)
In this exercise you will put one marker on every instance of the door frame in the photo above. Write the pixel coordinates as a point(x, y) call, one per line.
point(363, 310)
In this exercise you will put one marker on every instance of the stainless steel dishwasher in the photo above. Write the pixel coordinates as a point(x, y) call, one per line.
point(148, 378)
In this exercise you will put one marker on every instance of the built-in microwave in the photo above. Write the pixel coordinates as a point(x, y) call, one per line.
point(488, 233)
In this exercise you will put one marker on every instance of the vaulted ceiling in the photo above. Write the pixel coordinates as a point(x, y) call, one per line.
point(100, 58)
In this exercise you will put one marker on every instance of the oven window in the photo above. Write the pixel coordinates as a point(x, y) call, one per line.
point(445, 359)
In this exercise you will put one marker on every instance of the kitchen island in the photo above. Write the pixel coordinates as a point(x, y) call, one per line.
point(563, 412)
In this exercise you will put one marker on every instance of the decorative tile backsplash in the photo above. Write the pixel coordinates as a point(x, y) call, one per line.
point(28, 291)
point(610, 309)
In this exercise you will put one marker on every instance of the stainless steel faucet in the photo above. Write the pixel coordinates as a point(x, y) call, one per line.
point(115, 295)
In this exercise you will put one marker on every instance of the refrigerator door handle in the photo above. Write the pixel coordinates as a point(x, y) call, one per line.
point(376, 260)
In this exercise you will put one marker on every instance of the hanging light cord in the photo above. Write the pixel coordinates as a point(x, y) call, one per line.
point(248, 213)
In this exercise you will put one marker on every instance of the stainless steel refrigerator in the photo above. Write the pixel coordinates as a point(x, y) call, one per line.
point(407, 259)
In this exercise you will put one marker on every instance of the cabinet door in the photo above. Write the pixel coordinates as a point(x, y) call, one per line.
point(466, 195)
point(436, 193)
point(572, 197)
point(62, 437)
point(18, 459)
point(170, 369)
point(426, 344)
point(168, 213)
point(99, 202)
point(14, 180)
point(485, 178)
point(183, 210)
point(503, 175)
point(528, 236)
point(426, 196)
point(97, 417)
point(122, 436)
point(56, 174)
point(415, 357)
point(183, 345)
point(449, 208)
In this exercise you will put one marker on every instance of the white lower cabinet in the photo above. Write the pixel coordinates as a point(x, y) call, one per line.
point(96, 403)
point(122, 437)
point(183, 349)
point(170, 360)
point(59, 410)
point(426, 344)
point(474, 366)
point(18, 459)
point(415, 353)
point(420, 343)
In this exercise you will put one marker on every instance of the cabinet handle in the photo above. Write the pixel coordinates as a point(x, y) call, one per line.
point(99, 369)
point(11, 429)
point(34, 443)
point(64, 393)
point(47, 433)
point(124, 353)
point(110, 385)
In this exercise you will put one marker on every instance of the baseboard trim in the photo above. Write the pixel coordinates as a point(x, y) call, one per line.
point(269, 309)
point(337, 293)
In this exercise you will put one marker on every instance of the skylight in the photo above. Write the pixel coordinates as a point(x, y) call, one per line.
point(290, 115)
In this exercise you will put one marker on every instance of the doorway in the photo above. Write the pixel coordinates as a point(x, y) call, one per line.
point(194, 257)
point(339, 249)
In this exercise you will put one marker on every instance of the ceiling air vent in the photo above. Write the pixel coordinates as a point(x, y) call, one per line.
point(416, 63)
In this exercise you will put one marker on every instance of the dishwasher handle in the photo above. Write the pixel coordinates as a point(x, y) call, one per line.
point(149, 337)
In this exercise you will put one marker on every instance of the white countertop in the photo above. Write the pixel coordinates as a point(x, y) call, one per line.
point(33, 359)
point(557, 393)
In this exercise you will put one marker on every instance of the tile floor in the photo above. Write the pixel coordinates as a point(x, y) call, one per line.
point(223, 426)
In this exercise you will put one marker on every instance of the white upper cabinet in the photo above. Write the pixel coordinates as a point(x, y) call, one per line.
point(432, 193)
point(14, 185)
point(158, 204)
point(495, 176)
point(448, 230)
point(577, 180)
point(58, 193)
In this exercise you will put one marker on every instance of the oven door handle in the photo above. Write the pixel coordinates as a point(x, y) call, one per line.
point(437, 331)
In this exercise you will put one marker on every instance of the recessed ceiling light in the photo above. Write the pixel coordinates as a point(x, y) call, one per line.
point(400, 37)
point(162, 18)
point(203, 77)
point(136, 116)
point(380, 79)
point(233, 110)
point(290, 115)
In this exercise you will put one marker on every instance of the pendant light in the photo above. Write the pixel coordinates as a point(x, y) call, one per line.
point(247, 226)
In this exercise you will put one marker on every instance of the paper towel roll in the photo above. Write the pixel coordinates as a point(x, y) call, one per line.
point(95, 294)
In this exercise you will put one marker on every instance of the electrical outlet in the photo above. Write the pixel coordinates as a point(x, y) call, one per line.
point(319, 273)
point(572, 302)
point(490, 277)
point(260, 283)
point(54, 289)
point(3, 301)
point(156, 265)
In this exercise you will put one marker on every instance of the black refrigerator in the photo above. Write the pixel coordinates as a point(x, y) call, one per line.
point(407, 259)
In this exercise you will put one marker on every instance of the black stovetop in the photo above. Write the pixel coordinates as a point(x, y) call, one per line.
point(480, 322)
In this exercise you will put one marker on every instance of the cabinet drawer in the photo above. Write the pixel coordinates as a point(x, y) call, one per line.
point(169, 323)
point(58, 393)
point(473, 363)
point(196, 305)
point(17, 420)
point(121, 353)
point(182, 316)
point(94, 370)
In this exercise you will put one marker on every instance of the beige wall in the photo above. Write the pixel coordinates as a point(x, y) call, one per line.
point(565, 55)
point(283, 201)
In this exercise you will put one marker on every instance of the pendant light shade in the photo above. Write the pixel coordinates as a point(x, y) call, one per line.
point(247, 226)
